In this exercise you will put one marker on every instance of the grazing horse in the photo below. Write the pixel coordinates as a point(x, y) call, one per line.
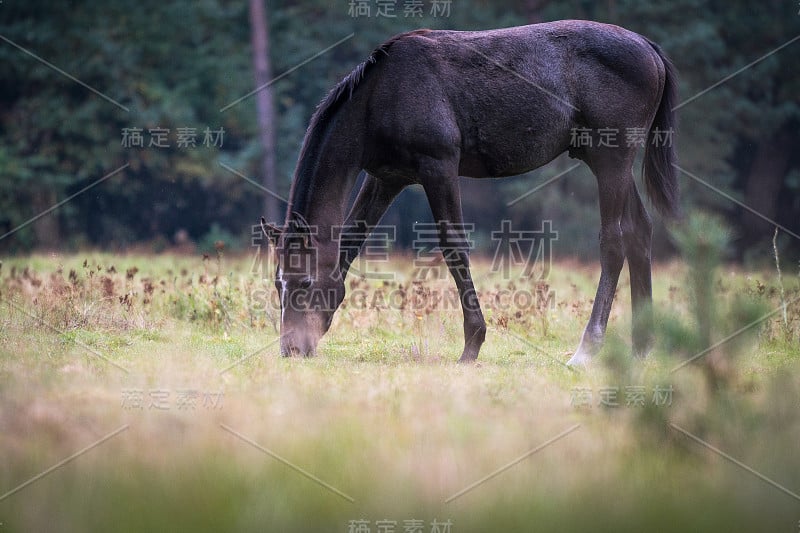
point(429, 106)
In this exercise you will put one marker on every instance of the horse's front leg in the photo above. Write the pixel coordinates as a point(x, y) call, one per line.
point(371, 203)
point(444, 197)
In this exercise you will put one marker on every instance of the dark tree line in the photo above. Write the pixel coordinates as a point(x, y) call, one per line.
point(182, 68)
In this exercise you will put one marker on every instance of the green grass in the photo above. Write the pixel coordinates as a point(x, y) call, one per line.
point(383, 414)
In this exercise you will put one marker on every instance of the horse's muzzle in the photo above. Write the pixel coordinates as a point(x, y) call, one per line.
point(298, 345)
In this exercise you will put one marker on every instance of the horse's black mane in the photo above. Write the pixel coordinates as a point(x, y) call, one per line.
point(326, 109)
point(343, 90)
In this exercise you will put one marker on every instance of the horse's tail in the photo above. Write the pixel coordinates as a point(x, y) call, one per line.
point(660, 178)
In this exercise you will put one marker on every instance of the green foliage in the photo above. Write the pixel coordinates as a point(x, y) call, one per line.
point(175, 66)
point(209, 242)
point(717, 311)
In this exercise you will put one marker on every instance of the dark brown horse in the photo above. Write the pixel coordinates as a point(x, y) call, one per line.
point(429, 106)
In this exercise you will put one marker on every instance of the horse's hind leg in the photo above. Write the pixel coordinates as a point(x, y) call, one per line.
point(637, 231)
point(614, 179)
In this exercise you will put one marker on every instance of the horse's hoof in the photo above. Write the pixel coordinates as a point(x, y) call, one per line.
point(580, 360)
point(642, 352)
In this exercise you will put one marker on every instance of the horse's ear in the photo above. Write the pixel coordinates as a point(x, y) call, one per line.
point(272, 231)
point(301, 225)
point(301, 228)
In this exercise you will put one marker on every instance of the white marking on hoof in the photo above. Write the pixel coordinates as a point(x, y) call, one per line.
point(580, 358)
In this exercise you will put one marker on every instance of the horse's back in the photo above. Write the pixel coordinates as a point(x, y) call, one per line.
point(505, 100)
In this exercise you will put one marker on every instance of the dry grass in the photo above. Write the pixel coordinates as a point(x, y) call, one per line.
point(383, 414)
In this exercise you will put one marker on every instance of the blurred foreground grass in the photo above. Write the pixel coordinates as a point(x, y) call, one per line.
point(383, 428)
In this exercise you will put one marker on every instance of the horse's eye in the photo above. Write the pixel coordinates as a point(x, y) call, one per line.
point(306, 283)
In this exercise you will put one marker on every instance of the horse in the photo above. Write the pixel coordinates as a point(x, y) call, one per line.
point(429, 106)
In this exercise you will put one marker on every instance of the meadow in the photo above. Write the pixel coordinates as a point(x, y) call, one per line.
point(146, 392)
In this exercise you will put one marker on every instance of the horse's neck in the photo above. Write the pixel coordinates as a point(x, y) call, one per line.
point(326, 172)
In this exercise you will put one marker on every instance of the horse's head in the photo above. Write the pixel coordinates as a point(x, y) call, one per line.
point(308, 282)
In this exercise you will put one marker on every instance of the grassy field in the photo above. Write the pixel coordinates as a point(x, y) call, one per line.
point(144, 393)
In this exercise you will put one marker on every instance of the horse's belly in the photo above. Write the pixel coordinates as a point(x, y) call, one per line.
point(509, 156)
